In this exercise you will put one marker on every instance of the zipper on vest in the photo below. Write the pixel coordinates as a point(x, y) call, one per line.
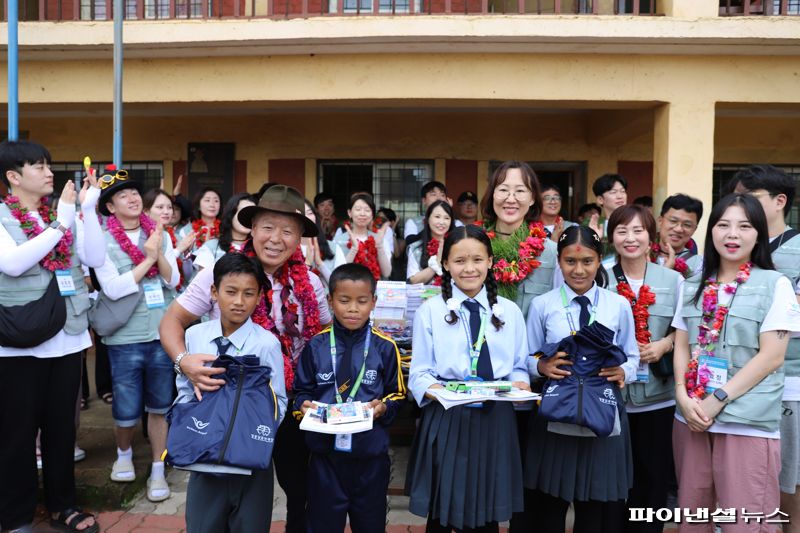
point(580, 401)
point(228, 433)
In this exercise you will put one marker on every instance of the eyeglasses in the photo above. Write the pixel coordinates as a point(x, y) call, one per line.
point(674, 222)
point(501, 193)
point(107, 180)
point(548, 198)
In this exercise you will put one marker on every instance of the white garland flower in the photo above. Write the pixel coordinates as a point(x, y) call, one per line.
point(452, 305)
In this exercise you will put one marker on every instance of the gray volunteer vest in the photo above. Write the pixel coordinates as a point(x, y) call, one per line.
point(213, 247)
point(540, 280)
point(662, 282)
point(760, 407)
point(787, 262)
point(32, 284)
point(143, 324)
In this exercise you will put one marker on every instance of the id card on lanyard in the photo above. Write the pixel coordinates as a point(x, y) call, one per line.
point(153, 293)
point(66, 285)
point(344, 443)
point(570, 320)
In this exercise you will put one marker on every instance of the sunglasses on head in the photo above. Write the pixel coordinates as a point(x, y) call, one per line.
point(107, 180)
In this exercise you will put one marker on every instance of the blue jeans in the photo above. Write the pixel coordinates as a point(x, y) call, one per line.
point(141, 376)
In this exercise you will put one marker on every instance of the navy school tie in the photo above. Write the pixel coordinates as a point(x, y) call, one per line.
point(485, 370)
point(223, 345)
point(583, 301)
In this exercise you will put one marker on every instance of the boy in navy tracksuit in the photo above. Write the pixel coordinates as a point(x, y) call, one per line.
point(349, 475)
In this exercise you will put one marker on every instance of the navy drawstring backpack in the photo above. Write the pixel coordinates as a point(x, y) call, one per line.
point(232, 426)
point(584, 398)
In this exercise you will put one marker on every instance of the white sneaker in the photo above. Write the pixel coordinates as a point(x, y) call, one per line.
point(122, 470)
point(157, 489)
point(80, 454)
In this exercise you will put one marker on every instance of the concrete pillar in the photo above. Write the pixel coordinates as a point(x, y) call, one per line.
point(683, 154)
point(440, 170)
point(483, 181)
point(311, 178)
point(257, 170)
point(689, 9)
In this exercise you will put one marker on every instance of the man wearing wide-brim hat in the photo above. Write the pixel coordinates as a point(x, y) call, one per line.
point(299, 310)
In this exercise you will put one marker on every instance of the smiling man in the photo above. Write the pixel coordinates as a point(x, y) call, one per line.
point(680, 215)
point(297, 311)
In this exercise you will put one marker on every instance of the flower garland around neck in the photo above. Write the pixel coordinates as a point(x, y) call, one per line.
point(680, 267)
point(697, 375)
point(293, 277)
point(203, 236)
point(433, 249)
point(515, 257)
point(118, 233)
point(639, 306)
point(171, 232)
point(60, 257)
point(367, 254)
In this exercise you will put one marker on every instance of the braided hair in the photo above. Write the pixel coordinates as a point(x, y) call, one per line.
point(470, 231)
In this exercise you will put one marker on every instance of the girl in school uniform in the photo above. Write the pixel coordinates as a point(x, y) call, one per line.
point(425, 255)
point(653, 292)
point(564, 462)
point(732, 332)
point(465, 467)
point(359, 243)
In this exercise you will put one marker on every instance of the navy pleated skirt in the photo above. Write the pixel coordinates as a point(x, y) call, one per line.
point(579, 468)
point(465, 468)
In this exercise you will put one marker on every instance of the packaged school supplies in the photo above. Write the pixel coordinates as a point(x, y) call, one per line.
point(338, 418)
point(468, 386)
point(451, 398)
point(232, 426)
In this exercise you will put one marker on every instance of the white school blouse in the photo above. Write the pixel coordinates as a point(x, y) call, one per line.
point(441, 350)
point(547, 322)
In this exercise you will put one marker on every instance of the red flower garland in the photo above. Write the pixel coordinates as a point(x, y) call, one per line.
point(433, 250)
point(639, 306)
point(680, 267)
point(118, 232)
point(367, 255)
point(296, 270)
point(202, 236)
point(60, 257)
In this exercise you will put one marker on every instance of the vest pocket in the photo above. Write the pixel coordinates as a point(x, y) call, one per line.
point(760, 407)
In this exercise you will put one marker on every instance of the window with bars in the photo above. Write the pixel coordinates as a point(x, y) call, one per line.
point(393, 184)
point(723, 173)
point(148, 172)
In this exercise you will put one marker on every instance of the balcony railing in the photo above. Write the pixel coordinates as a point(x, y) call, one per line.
point(759, 7)
point(62, 10)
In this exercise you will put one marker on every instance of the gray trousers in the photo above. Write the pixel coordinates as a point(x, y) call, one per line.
point(229, 503)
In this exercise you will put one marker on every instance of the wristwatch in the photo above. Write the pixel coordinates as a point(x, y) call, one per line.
point(57, 225)
point(721, 395)
point(177, 365)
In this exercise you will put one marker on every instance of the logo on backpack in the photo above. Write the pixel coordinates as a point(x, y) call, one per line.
point(609, 398)
point(262, 433)
point(324, 377)
point(551, 388)
point(199, 426)
point(370, 376)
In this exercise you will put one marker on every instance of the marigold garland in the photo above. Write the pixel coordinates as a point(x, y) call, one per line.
point(292, 275)
point(118, 233)
point(433, 250)
point(203, 236)
point(515, 257)
point(639, 307)
point(714, 313)
point(60, 257)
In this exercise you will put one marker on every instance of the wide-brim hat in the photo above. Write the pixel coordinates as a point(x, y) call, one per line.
point(283, 200)
point(109, 192)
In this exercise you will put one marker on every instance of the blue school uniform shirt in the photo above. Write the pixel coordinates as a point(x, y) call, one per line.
point(441, 351)
point(249, 339)
point(547, 322)
point(383, 380)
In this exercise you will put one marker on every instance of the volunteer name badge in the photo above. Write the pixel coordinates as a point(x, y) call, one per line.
point(153, 294)
point(343, 443)
point(718, 368)
point(643, 372)
point(66, 285)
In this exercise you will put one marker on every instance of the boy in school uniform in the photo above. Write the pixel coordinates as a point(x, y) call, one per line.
point(231, 499)
point(351, 475)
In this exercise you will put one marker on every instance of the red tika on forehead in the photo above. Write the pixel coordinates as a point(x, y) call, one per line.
point(578, 247)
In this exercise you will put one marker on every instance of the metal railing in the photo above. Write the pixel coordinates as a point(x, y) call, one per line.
point(759, 7)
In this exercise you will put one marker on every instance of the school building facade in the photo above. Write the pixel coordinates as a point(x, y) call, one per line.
point(383, 95)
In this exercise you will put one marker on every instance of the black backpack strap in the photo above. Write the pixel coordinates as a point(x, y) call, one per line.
point(788, 235)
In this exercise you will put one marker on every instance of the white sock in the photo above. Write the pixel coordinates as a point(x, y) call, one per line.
point(158, 470)
point(125, 454)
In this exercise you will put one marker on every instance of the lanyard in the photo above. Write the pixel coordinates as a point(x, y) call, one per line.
point(474, 349)
point(357, 384)
point(565, 302)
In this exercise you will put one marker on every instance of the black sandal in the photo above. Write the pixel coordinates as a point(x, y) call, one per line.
point(107, 398)
point(71, 526)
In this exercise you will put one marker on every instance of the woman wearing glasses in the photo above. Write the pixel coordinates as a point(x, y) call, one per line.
point(554, 223)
